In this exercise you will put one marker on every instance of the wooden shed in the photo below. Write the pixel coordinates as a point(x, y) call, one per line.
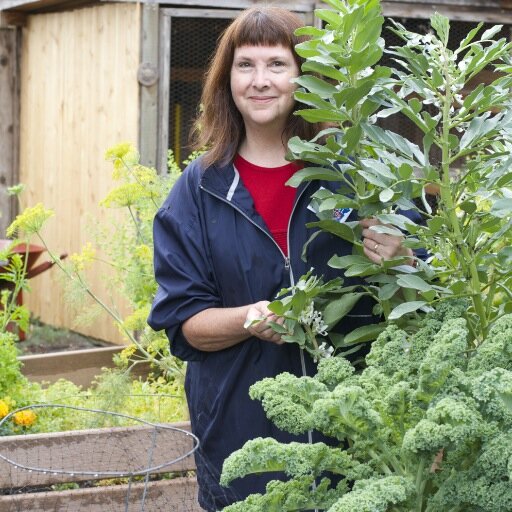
point(78, 76)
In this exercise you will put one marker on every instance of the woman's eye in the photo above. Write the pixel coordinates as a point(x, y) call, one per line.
point(244, 64)
point(278, 63)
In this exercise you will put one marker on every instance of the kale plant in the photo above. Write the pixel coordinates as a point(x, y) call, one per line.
point(425, 427)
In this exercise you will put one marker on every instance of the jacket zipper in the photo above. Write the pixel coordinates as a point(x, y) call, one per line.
point(287, 263)
point(287, 266)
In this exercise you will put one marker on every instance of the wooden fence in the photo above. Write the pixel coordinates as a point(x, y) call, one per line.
point(79, 96)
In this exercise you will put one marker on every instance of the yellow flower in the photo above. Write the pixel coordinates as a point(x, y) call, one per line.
point(80, 260)
point(30, 221)
point(127, 194)
point(25, 418)
point(123, 156)
point(4, 409)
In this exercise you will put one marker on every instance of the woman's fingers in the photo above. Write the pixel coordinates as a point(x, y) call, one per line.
point(381, 246)
point(258, 318)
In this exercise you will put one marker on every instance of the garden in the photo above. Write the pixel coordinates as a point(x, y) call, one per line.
point(423, 421)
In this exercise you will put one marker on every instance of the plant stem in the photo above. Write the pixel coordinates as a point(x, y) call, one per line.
point(467, 260)
point(420, 484)
point(110, 311)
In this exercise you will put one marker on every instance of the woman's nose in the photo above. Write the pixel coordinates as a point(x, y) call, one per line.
point(260, 78)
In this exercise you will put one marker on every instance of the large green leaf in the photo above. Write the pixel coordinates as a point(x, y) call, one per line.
point(342, 230)
point(364, 333)
point(414, 282)
point(346, 261)
point(313, 173)
point(316, 85)
point(328, 70)
point(405, 308)
point(338, 308)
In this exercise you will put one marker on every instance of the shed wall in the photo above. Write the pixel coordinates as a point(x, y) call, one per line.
point(8, 123)
point(79, 96)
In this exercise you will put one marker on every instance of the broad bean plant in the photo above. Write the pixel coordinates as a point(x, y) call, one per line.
point(464, 160)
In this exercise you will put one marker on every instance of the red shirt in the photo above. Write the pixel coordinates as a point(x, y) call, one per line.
point(273, 200)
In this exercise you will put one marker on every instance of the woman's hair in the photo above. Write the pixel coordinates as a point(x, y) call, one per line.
point(219, 126)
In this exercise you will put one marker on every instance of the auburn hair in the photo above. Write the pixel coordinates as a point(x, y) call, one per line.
point(219, 126)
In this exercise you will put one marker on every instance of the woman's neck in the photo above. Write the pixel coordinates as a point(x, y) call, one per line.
point(263, 150)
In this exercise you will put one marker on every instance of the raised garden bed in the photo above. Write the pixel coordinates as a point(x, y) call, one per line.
point(77, 366)
point(41, 491)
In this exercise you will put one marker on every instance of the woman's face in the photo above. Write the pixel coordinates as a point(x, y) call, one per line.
point(261, 85)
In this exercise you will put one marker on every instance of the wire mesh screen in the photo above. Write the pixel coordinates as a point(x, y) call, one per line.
point(193, 41)
point(138, 467)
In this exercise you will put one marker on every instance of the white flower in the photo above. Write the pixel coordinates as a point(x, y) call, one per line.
point(307, 314)
point(319, 326)
point(325, 350)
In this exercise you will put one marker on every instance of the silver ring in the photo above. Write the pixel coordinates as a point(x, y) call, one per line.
point(376, 247)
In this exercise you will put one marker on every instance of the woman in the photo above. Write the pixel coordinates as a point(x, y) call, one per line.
point(230, 236)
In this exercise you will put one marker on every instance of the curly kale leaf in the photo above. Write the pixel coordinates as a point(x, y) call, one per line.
point(298, 494)
point(288, 400)
point(485, 487)
point(375, 495)
point(448, 423)
point(447, 352)
point(493, 392)
point(496, 350)
point(333, 371)
point(262, 455)
point(346, 413)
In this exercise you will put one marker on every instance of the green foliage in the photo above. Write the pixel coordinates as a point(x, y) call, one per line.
point(379, 172)
point(427, 424)
point(125, 243)
point(155, 400)
point(309, 309)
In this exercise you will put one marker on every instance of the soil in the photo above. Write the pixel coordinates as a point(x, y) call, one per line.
point(42, 338)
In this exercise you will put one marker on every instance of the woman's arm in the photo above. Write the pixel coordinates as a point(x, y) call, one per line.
point(218, 328)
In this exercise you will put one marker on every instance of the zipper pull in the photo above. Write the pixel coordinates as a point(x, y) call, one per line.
point(287, 263)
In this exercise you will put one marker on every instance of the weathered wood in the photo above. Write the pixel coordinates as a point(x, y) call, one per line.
point(12, 19)
point(9, 123)
point(93, 454)
point(164, 66)
point(454, 12)
point(166, 495)
point(149, 111)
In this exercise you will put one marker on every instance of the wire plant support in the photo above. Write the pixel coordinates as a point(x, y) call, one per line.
point(133, 465)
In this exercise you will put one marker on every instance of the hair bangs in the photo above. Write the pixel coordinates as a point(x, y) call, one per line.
point(260, 28)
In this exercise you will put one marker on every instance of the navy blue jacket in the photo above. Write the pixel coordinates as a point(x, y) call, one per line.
point(212, 249)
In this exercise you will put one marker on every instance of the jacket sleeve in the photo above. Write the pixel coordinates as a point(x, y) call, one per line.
point(186, 284)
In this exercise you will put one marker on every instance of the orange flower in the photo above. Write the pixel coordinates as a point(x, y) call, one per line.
point(4, 409)
point(25, 418)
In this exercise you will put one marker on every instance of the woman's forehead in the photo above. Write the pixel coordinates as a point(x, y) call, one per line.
point(263, 50)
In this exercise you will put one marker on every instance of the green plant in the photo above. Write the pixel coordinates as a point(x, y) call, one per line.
point(379, 173)
point(426, 426)
point(126, 246)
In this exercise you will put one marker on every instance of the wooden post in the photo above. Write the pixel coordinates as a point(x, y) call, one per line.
point(148, 77)
point(9, 122)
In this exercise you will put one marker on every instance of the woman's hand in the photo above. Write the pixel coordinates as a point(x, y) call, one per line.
point(259, 311)
point(381, 246)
